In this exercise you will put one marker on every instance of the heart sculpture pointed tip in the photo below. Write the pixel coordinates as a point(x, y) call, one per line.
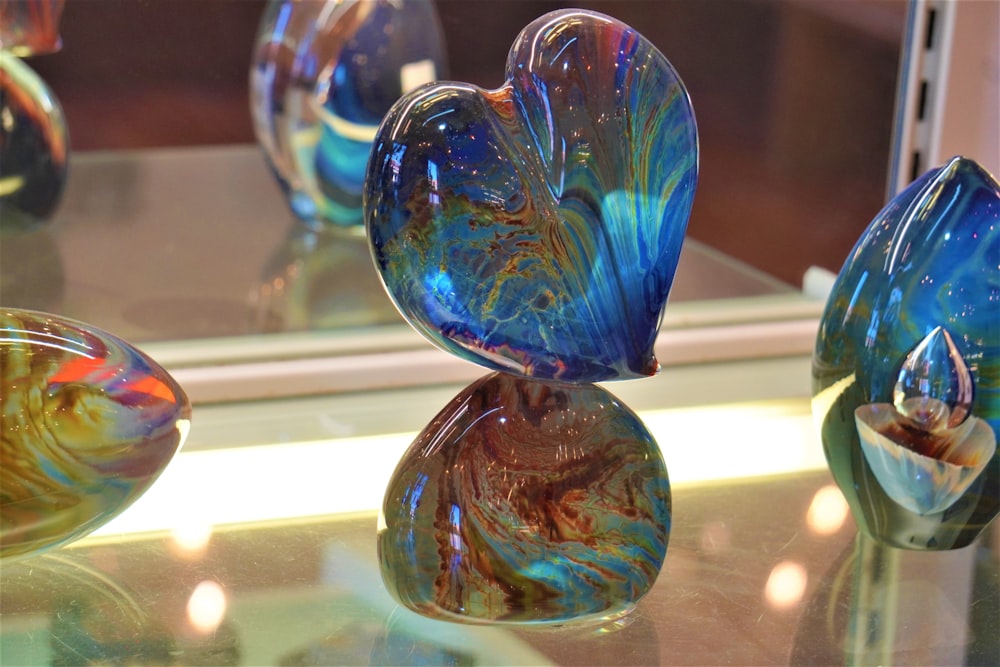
point(536, 228)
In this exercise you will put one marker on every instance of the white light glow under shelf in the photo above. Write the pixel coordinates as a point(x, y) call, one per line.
point(344, 475)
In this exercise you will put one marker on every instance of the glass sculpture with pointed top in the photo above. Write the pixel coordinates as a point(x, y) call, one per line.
point(907, 364)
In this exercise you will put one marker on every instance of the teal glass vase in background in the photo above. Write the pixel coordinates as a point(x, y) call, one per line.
point(34, 142)
point(324, 74)
point(906, 371)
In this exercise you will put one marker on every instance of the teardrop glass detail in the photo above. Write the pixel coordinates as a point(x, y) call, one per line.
point(934, 390)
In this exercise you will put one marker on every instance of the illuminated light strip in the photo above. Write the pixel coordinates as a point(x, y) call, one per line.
point(267, 482)
point(345, 475)
point(733, 442)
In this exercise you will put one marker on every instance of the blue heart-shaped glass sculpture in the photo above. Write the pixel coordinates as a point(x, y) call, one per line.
point(536, 228)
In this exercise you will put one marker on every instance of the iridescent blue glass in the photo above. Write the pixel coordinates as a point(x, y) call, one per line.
point(536, 228)
point(907, 364)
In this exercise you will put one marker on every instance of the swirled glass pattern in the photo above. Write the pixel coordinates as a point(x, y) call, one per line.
point(536, 228)
point(526, 501)
point(907, 364)
point(87, 423)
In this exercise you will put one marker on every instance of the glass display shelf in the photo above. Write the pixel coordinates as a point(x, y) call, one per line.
point(195, 243)
point(257, 546)
point(192, 254)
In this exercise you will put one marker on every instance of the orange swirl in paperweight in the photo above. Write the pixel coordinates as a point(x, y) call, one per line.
point(87, 422)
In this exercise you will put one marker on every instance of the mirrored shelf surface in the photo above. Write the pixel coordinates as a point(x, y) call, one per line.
point(196, 243)
point(257, 546)
point(764, 571)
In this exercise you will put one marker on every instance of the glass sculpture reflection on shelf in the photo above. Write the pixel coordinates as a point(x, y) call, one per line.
point(907, 364)
point(536, 228)
point(90, 616)
point(324, 74)
point(34, 142)
point(319, 278)
point(526, 501)
point(88, 423)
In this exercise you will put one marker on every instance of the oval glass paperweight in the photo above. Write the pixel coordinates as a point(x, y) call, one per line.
point(88, 424)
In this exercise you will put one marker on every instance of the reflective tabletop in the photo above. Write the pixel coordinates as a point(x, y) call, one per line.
point(760, 571)
point(192, 243)
point(258, 547)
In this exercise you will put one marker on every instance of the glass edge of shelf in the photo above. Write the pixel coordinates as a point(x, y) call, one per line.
point(395, 356)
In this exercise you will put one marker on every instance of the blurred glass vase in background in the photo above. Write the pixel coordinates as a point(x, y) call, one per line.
point(323, 76)
point(34, 142)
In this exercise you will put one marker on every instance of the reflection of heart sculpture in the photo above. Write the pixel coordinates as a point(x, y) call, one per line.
point(526, 501)
point(536, 228)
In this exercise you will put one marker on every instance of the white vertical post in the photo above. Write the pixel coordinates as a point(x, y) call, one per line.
point(948, 97)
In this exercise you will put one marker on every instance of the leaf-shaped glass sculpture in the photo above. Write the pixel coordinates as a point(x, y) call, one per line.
point(907, 364)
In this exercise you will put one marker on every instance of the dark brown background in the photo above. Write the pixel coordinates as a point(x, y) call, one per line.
point(794, 98)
